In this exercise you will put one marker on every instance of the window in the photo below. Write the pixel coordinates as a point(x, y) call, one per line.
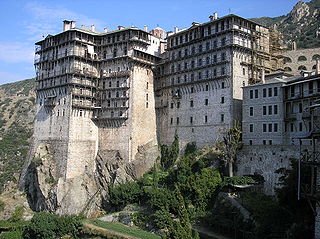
point(208, 44)
point(300, 126)
point(270, 109)
point(251, 94)
point(223, 56)
point(214, 58)
point(256, 93)
point(205, 118)
point(222, 100)
point(207, 87)
point(251, 128)
point(264, 110)
point(250, 142)
point(270, 92)
point(178, 120)
point(185, 65)
point(178, 104)
point(192, 89)
point(275, 127)
point(191, 103)
point(300, 107)
point(275, 91)
point(270, 127)
point(222, 85)
point(223, 69)
point(206, 101)
point(310, 87)
point(264, 92)
point(264, 128)
point(270, 142)
point(302, 68)
point(199, 62)
point(222, 117)
point(191, 120)
point(147, 104)
point(171, 105)
point(302, 58)
point(291, 127)
point(275, 109)
point(192, 77)
point(251, 111)
point(171, 121)
point(200, 48)
point(208, 60)
point(264, 142)
point(200, 75)
point(288, 69)
point(244, 71)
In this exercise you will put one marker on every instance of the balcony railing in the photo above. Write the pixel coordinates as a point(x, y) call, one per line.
point(303, 94)
point(116, 74)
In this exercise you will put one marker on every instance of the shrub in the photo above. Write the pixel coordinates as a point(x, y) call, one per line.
point(51, 226)
point(124, 194)
point(17, 214)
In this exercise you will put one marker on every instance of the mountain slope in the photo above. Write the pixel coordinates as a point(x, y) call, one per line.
point(17, 110)
point(302, 24)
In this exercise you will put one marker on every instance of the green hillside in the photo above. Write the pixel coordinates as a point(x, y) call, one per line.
point(17, 110)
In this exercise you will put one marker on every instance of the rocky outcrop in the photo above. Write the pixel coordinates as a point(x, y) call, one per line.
point(48, 190)
point(113, 170)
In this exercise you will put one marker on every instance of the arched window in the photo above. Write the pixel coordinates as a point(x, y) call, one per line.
point(288, 69)
point(302, 68)
point(302, 58)
point(315, 57)
point(287, 60)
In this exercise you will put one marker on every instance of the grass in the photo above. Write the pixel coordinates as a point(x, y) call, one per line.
point(118, 227)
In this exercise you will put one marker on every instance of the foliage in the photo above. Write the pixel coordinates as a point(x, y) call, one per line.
point(238, 180)
point(229, 147)
point(300, 210)
point(123, 194)
point(17, 214)
point(2, 206)
point(14, 234)
point(169, 154)
point(46, 225)
point(190, 149)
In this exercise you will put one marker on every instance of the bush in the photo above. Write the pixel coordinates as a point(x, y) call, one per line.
point(124, 194)
point(51, 226)
point(17, 214)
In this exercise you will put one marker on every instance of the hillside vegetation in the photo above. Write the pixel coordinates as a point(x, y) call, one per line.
point(17, 110)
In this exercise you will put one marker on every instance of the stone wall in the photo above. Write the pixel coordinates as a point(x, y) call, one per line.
point(294, 55)
point(265, 161)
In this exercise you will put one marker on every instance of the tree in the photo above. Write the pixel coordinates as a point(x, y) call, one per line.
point(169, 154)
point(229, 147)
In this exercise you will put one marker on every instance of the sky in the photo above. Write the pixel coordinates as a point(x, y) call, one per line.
point(23, 22)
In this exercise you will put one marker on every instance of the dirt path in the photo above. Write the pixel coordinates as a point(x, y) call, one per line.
point(100, 229)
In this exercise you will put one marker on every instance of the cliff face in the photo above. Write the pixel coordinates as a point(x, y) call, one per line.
point(301, 24)
point(41, 178)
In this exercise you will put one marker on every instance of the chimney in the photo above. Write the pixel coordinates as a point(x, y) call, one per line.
point(318, 67)
point(93, 28)
point(105, 29)
point(215, 16)
point(175, 29)
point(263, 80)
point(294, 46)
point(145, 28)
point(73, 24)
point(66, 25)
